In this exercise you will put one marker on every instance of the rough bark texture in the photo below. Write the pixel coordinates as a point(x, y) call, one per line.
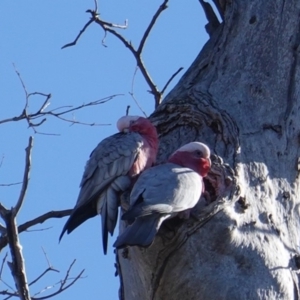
point(241, 97)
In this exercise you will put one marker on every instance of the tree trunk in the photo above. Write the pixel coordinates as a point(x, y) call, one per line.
point(241, 97)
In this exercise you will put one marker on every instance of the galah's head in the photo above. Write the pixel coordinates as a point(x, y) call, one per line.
point(136, 124)
point(193, 155)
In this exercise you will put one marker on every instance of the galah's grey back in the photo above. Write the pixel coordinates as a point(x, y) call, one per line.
point(159, 193)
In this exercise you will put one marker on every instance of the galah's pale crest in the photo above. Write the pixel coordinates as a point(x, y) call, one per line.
point(112, 167)
point(165, 191)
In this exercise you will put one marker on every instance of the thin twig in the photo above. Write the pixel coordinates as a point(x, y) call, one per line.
point(62, 283)
point(46, 257)
point(171, 78)
point(96, 5)
point(40, 113)
point(3, 262)
point(42, 275)
point(132, 92)
point(50, 268)
point(23, 85)
point(10, 184)
point(14, 294)
point(1, 161)
point(62, 288)
point(21, 199)
point(162, 7)
point(79, 34)
point(127, 110)
point(113, 25)
point(41, 229)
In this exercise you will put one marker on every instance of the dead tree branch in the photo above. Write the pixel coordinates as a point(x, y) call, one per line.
point(16, 209)
point(137, 53)
point(38, 117)
point(39, 220)
point(62, 284)
point(171, 78)
point(10, 184)
point(162, 7)
point(17, 265)
point(132, 93)
point(79, 34)
point(153, 89)
point(2, 265)
point(49, 269)
point(42, 114)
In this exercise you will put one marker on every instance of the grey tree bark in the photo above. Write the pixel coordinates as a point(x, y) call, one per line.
point(241, 97)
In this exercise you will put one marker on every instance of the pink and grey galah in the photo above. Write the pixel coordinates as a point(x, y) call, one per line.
point(111, 169)
point(163, 192)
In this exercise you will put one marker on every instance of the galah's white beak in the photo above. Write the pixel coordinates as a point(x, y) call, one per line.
point(126, 130)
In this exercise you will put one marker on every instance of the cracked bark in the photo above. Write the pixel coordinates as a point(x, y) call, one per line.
point(241, 97)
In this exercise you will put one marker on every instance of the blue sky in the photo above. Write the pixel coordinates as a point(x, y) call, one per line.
point(31, 36)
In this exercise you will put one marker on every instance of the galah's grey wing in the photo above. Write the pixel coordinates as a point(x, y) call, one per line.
point(166, 185)
point(158, 194)
point(105, 176)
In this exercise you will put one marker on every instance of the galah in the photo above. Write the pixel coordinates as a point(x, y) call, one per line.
point(165, 191)
point(113, 166)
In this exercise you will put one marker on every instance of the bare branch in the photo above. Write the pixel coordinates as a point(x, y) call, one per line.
point(23, 85)
point(96, 5)
point(17, 265)
point(137, 56)
point(62, 284)
point(1, 161)
point(2, 265)
point(113, 25)
point(42, 275)
point(172, 77)
point(41, 113)
point(1, 270)
point(16, 209)
point(39, 220)
point(46, 257)
point(132, 93)
point(14, 294)
point(109, 27)
point(162, 7)
point(40, 229)
point(79, 35)
point(127, 110)
point(10, 184)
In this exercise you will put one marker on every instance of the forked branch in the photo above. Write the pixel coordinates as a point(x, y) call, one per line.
point(137, 53)
point(37, 118)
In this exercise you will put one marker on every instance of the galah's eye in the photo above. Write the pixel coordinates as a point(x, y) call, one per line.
point(199, 153)
point(131, 122)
